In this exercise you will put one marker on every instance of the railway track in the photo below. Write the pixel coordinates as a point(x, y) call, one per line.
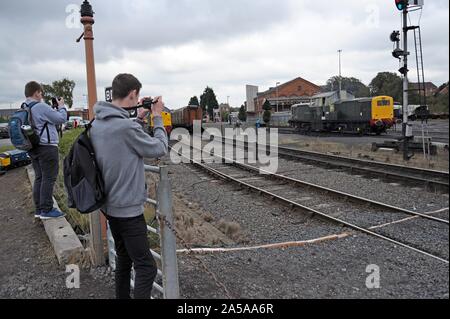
point(432, 180)
point(437, 136)
point(344, 209)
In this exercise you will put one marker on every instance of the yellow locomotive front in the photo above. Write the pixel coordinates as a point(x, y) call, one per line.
point(382, 113)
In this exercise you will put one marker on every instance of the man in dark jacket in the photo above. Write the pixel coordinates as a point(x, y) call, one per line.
point(120, 148)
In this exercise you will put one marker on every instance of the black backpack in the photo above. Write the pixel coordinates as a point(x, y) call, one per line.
point(82, 177)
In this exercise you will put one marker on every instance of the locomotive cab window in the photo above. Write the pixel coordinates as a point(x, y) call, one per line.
point(383, 103)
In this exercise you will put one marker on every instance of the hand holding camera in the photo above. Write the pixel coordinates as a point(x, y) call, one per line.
point(146, 104)
point(158, 107)
point(57, 102)
point(61, 102)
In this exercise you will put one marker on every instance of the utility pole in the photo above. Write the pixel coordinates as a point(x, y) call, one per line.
point(276, 84)
point(97, 222)
point(340, 73)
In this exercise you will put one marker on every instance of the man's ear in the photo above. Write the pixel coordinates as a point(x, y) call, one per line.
point(132, 95)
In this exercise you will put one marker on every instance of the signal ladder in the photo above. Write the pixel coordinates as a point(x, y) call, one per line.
point(422, 112)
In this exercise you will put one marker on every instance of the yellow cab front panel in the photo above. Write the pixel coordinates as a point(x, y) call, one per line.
point(382, 108)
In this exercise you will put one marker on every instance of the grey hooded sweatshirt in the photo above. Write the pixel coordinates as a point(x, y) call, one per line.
point(120, 147)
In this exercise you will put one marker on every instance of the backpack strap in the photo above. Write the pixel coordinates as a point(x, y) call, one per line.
point(89, 125)
point(30, 106)
point(45, 127)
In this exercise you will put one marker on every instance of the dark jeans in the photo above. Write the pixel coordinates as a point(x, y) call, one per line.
point(45, 160)
point(130, 238)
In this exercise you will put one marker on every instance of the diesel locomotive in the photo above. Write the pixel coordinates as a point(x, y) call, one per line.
point(359, 115)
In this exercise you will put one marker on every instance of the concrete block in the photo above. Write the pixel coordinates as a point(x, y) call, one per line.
point(65, 242)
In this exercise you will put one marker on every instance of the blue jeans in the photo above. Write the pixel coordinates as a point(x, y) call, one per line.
point(45, 160)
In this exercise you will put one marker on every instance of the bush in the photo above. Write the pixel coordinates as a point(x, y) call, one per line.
point(267, 112)
point(67, 140)
point(6, 148)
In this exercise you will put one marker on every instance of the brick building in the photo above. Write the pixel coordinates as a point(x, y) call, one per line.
point(83, 113)
point(281, 97)
point(430, 88)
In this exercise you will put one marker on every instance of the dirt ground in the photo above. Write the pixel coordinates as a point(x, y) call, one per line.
point(364, 151)
point(28, 265)
point(197, 227)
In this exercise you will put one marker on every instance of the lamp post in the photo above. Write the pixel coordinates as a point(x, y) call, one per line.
point(276, 85)
point(340, 73)
point(96, 221)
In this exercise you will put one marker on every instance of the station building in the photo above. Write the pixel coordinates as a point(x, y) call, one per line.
point(281, 97)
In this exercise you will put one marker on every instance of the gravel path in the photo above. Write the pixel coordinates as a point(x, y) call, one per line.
point(29, 268)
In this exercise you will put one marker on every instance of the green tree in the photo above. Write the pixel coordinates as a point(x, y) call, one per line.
point(352, 85)
point(242, 116)
point(194, 101)
point(439, 103)
point(387, 83)
point(62, 88)
point(208, 101)
point(267, 107)
point(226, 117)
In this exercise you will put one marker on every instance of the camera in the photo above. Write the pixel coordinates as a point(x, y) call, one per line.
point(147, 103)
point(55, 102)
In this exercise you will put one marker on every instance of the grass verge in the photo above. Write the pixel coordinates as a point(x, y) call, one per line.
point(6, 148)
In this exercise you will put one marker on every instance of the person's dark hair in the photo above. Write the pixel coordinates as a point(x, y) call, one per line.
point(31, 88)
point(123, 84)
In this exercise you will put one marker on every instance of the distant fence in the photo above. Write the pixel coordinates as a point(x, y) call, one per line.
point(167, 258)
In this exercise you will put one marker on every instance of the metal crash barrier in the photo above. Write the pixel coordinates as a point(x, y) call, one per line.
point(168, 269)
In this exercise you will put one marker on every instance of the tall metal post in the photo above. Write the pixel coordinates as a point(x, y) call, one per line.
point(276, 84)
point(97, 222)
point(168, 239)
point(340, 73)
point(407, 128)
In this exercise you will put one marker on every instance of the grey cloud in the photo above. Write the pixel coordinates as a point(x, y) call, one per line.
point(35, 31)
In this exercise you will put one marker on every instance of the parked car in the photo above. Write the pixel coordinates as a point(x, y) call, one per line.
point(4, 130)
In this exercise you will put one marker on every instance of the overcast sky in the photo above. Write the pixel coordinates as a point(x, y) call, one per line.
point(178, 47)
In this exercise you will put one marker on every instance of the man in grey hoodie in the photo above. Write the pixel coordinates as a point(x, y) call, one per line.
point(120, 148)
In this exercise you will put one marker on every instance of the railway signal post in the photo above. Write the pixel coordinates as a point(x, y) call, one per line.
point(398, 53)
